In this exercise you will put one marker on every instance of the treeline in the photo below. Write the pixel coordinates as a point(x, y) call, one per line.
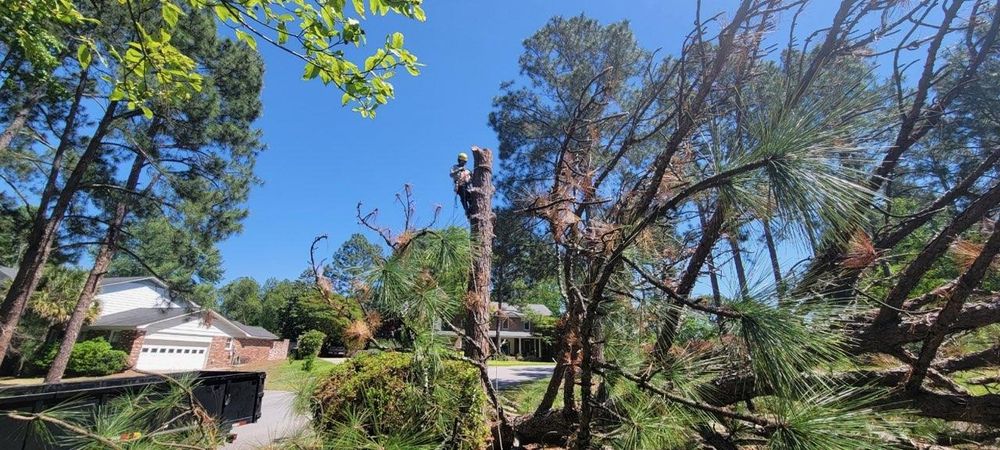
point(92, 177)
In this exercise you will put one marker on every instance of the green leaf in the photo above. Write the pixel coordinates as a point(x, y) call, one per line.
point(222, 12)
point(84, 55)
point(171, 13)
point(344, 99)
point(247, 38)
point(311, 71)
point(282, 33)
point(397, 40)
point(146, 111)
point(359, 7)
point(418, 13)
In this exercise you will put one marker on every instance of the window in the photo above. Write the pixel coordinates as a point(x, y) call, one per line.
point(163, 350)
point(170, 350)
point(527, 325)
point(229, 343)
point(145, 350)
point(505, 324)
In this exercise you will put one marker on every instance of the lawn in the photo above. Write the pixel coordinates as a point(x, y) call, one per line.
point(525, 397)
point(289, 376)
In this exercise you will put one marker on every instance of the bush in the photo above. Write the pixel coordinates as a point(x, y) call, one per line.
point(309, 346)
point(379, 391)
point(92, 358)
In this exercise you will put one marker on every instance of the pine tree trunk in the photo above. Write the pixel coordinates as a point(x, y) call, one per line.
point(741, 274)
point(552, 390)
point(480, 215)
point(772, 252)
point(44, 228)
point(571, 347)
point(20, 119)
point(713, 277)
point(101, 262)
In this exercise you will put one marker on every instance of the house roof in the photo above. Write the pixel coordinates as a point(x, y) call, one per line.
point(539, 309)
point(504, 334)
point(139, 316)
point(517, 311)
point(110, 281)
point(8, 273)
point(257, 332)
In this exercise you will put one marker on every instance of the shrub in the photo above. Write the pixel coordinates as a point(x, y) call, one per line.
point(379, 390)
point(91, 358)
point(310, 344)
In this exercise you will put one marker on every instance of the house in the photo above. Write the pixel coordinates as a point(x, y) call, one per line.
point(517, 333)
point(162, 332)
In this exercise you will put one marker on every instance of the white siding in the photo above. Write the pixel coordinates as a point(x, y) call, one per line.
point(189, 327)
point(138, 294)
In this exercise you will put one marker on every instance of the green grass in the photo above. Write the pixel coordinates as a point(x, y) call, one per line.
point(289, 376)
point(525, 397)
point(514, 362)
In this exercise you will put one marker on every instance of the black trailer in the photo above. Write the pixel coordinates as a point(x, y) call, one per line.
point(232, 398)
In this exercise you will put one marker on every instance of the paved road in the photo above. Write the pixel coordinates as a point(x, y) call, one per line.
point(278, 421)
point(508, 376)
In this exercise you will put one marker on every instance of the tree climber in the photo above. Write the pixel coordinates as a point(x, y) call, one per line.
point(461, 177)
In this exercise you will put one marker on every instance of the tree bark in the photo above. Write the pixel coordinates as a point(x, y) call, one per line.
point(713, 278)
point(107, 250)
point(20, 118)
point(772, 252)
point(966, 283)
point(710, 234)
point(480, 215)
point(934, 249)
point(45, 226)
point(741, 273)
point(572, 345)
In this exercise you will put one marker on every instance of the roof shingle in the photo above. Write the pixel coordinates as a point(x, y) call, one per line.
point(138, 317)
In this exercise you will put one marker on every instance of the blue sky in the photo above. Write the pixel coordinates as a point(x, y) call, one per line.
point(323, 159)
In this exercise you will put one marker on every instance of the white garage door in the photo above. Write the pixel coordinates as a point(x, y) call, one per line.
point(172, 356)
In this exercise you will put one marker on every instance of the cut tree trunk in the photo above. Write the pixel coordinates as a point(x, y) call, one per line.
point(480, 215)
point(109, 246)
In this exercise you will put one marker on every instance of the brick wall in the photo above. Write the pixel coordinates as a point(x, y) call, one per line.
point(131, 342)
point(279, 350)
point(249, 350)
point(218, 356)
point(253, 350)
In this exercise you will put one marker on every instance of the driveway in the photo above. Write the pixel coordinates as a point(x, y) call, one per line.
point(277, 420)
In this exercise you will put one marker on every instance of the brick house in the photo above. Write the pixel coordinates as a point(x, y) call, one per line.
point(163, 332)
